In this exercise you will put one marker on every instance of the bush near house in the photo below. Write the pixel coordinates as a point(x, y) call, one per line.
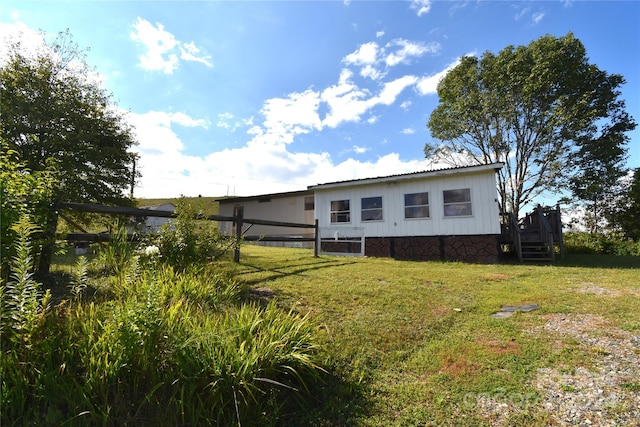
point(601, 244)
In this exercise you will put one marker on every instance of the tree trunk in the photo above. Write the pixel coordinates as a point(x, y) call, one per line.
point(49, 241)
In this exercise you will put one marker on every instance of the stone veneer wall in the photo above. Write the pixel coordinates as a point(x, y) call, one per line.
point(480, 249)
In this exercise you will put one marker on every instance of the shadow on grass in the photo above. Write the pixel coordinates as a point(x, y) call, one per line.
point(330, 402)
point(292, 269)
point(599, 261)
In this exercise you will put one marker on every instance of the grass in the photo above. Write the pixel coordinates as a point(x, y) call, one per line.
point(409, 342)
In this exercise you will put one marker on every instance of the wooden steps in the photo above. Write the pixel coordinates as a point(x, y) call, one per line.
point(536, 251)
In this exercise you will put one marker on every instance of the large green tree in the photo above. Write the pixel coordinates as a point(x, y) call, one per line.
point(623, 215)
point(543, 110)
point(54, 108)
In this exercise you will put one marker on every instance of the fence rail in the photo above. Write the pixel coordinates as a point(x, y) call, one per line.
point(237, 219)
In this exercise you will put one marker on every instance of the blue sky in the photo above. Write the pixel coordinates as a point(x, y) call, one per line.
point(250, 97)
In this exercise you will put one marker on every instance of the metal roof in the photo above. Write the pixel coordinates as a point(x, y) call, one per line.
point(411, 176)
point(263, 196)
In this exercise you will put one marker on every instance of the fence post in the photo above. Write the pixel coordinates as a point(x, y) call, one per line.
point(317, 242)
point(237, 220)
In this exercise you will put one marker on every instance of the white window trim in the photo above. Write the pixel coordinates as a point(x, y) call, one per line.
point(331, 212)
point(421, 218)
point(381, 208)
point(470, 203)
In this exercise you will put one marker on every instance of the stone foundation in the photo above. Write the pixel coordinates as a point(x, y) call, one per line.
point(480, 249)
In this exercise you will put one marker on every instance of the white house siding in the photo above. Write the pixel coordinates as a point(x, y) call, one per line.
point(154, 223)
point(283, 207)
point(483, 221)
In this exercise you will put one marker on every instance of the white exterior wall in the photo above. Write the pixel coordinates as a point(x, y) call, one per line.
point(484, 205)
point(284, 209)
point(154, 223)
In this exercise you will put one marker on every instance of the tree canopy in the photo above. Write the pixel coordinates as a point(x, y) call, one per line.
point(543, 110)
point(53, 107)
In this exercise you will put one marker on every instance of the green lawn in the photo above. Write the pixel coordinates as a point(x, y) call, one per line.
point(414, 343)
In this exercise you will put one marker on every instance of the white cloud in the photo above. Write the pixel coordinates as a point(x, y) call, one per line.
point(421, 6)
point(287, 117)
point(521, 13)
point(408, 131)
point(374, 61)
point(407, 50)
point(189, 52)
point(30, 40)
point(366, 54)
point(379, 34)
point(405, 105)
point(428, 85)
point(161, 48)
point(536, 18)
point(360, 150)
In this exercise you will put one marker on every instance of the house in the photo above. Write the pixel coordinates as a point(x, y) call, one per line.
point(450, 214)
point(293, 207)
point(153, 224)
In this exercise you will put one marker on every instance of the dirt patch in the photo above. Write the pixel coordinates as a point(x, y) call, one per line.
point(593, 288)
point(499, 347)
point(458, 366)
point(440, 311)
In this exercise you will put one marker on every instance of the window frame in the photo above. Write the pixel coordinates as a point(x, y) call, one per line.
point(337, 213)
point(457, 208)
point(309, 203)
point(417, 207)
point(369, 210)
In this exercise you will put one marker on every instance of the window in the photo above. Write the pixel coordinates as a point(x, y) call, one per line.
point(416, 205)
point(457, 202)
point(340, 211)
point(309, 203)
point(371, 209)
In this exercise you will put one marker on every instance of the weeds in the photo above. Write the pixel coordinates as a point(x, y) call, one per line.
point(166, 346)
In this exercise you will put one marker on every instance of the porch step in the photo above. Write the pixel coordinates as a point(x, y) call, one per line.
point(536, 251)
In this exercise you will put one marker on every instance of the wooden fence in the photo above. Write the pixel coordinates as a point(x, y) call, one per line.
point(237, 219)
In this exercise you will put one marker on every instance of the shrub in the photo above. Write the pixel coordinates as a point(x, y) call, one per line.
point(587, 243)
point(188, 241)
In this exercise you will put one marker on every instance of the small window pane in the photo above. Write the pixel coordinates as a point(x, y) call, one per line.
point(457, 202)
point(340, 211)
point(416, 199)
point(416, 205)
point(457, 196)
point(416, 212)
point(371, 209)
point(309, 203)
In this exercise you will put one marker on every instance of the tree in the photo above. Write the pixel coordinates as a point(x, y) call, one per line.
point(542, 110)
point(53, 108)
point(624, 215)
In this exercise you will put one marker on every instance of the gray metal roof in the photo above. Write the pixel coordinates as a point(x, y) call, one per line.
point(411, 176)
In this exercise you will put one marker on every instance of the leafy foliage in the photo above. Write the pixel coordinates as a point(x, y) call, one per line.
point(53, 108)
point(543, 110)
point(187, 241)
point(624, 212)
point(17, 186)
point(159, 347)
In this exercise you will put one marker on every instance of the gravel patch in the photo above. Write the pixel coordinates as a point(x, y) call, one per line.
point(607, 394)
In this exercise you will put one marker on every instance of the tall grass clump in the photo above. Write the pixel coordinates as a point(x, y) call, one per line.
point(166, 345)
point(259, 360)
